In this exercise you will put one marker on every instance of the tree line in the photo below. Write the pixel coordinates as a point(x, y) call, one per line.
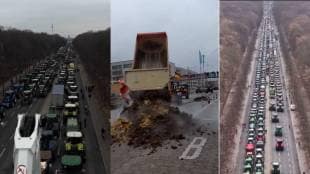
point(19, 49)
point(94, 51)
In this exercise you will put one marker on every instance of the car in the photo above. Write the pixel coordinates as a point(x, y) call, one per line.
point(279, 145)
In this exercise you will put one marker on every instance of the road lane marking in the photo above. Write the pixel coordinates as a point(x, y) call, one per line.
point(196, 147)
point(2, 152)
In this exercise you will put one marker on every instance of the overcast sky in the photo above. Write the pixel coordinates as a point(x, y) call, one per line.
point(69, 17)
point(191, 25)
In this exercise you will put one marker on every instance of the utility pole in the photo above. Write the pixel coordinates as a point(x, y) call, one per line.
point(52, 28)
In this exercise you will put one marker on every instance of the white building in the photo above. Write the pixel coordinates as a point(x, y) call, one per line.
point(118, 69)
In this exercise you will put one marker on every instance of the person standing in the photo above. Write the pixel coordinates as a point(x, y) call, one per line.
point(124, 93)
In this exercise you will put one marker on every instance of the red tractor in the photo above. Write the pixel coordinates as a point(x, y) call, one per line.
point(260, 137)
point(279, 145)
point(249, 148)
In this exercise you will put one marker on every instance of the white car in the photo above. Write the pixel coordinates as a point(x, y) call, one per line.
point(292, 107)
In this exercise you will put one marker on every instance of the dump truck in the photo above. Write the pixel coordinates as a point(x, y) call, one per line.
point(151, 72)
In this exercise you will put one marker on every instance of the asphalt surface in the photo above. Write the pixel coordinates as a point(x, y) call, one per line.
point(94, 163)
point(288, 158)
point(176, 157)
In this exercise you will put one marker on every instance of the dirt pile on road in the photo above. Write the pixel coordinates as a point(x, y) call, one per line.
point(149, 123)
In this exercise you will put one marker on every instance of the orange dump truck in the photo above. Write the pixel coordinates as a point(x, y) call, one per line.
point(151, 72)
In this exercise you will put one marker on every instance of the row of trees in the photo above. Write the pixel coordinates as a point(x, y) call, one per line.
point(21, 48)
point(94, 51)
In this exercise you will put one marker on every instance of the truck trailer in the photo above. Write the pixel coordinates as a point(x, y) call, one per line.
point(151, 72)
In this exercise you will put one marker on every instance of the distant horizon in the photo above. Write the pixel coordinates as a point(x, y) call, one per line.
point(13, 28)
point(70, 17)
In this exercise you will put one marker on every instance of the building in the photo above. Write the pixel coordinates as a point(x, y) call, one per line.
point(118, 69)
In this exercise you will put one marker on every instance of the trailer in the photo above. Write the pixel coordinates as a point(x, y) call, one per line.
point(58, 96)
point(151, 71)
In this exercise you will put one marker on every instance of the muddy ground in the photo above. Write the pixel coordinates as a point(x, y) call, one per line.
point(149, 123)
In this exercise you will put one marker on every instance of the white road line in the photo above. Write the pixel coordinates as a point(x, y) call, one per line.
point(2, 152)
point(197, 147)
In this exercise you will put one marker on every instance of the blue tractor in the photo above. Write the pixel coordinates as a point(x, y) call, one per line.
point(9, 99)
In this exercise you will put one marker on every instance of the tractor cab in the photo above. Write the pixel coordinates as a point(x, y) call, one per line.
point(260, 137)
point(278, 131)
point(183, 90)
point(27, 97)
point(74, 144)
point(70, 110)
point(279, 145)
point(248, 160)
point(72, 125)
point(274, 118)
point(275, 168)
point(247, 169)
point(9, 99)
point(74, 99)
point(250, 148)
point(259, 169)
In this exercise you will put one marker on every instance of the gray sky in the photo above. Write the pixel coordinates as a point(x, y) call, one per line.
point(70, 17)
point(190, 25)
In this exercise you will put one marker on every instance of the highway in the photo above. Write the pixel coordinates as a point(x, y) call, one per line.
point(267, 88)
point(93, 163)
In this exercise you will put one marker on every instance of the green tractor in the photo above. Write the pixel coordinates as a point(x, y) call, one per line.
point(278, 131)
point(74, 99)
point(247, 169)
point(275, 168)
point(74, 154)
point(70, 110)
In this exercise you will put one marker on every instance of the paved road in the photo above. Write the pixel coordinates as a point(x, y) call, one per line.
point(94, 162)
point(288, 158)
point(167, 160)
